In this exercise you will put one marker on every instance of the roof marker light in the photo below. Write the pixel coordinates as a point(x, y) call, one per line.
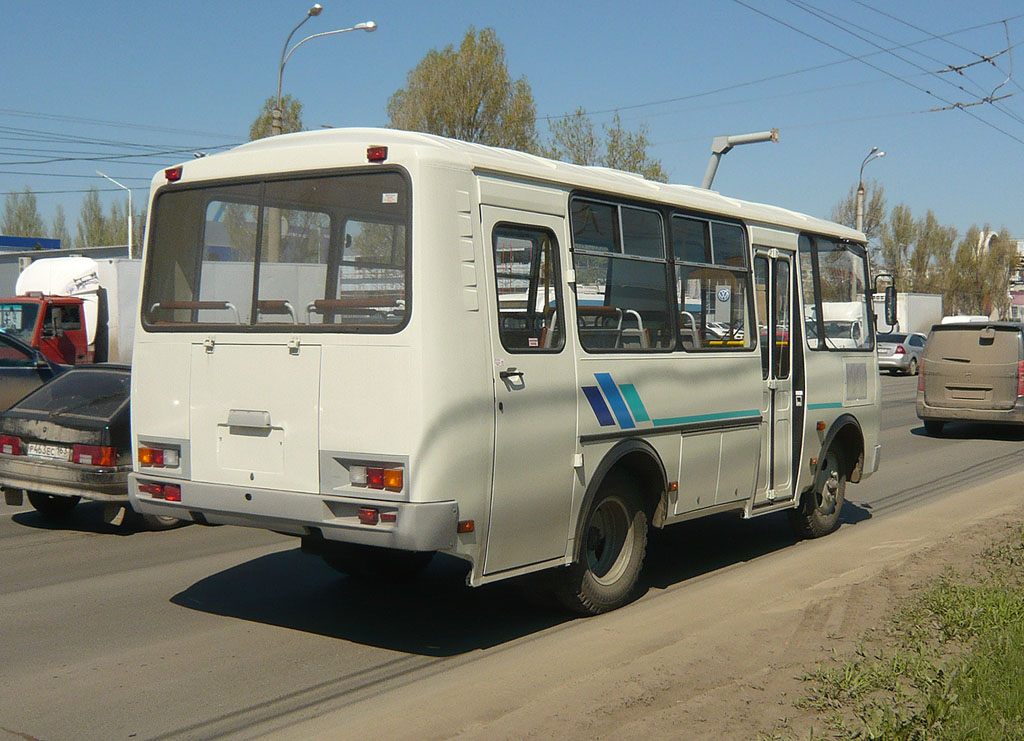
point(173, 174)
point(376, 154)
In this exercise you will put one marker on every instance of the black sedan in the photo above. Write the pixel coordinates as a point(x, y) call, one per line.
point(71, 440)
point(22, 368)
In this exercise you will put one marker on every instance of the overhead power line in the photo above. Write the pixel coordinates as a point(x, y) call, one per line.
point(884, 71)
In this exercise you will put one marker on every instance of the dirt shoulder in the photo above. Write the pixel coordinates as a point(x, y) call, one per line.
point(717, 656)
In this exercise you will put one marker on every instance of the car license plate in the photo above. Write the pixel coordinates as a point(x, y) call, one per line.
point(43, 450)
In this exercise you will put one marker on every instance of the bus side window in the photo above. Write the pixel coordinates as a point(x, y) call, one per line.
point(530, 316)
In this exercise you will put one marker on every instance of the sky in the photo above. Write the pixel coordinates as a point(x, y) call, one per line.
point(130, 88)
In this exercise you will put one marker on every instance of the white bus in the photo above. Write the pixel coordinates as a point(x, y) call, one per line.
point(391, 344)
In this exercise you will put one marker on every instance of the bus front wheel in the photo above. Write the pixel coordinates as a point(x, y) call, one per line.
point(818, 513)
point(611, 555)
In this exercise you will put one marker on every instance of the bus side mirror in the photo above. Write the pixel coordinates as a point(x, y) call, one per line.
point(890, 305)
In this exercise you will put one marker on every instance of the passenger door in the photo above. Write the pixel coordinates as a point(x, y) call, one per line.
point(534, 391)
point(773, 286)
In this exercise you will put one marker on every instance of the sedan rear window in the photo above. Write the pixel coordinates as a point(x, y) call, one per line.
point(84, 393)
point(891, 337)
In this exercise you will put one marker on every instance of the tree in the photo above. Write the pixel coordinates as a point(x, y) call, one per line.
point(980, 276)
point(291, 118)
point(21, 219)
point(845, 212)
point(898, 238)
point(91, 221)
point(59, 227)
point(467, 94)
point(573, 139)
point(932, 256)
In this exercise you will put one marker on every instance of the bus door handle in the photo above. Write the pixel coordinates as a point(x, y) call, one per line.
point(511, 373)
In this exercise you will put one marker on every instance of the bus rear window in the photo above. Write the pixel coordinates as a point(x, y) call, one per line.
point(322, 253)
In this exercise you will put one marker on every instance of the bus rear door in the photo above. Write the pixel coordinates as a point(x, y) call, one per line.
point(534, 391)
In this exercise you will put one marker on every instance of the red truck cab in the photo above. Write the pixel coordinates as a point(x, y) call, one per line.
point(53, 324)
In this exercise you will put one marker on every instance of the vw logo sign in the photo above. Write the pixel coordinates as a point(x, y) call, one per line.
point(724, 294)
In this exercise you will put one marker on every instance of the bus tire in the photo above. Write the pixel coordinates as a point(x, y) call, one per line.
point(52, 506)
point(160, 522)
point(611, 555)
point(820, 506)
point(369, 563)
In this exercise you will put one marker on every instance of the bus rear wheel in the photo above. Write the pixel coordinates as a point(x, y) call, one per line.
point(818, 513)
point(369, 563)
point(611, 555)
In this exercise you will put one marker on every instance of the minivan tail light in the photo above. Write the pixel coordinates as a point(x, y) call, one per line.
point(1020, 378)
point(10, 445)
point(94, 455)
point(920, 377)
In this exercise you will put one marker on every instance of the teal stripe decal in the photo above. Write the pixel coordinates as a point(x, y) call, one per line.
point(635, 405)
point(826, 405)
point(706, 417)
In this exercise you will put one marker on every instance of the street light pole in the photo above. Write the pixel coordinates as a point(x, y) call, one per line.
point(874, 154)
point(275, 125)
point(131, 231)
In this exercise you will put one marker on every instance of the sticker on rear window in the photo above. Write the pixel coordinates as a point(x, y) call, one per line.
point(389, 198)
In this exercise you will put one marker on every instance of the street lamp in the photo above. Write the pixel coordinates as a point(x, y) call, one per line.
point(368, 26)
point(874, 154)
point(125, 187)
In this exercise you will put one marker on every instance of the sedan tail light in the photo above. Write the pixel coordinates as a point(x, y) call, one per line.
point(10, 445)
point(899, 350)
point(94, 455)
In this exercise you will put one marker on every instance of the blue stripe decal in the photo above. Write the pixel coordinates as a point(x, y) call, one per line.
point(611, 391)
point(597, 404)
point(706, 417)
point(826, 405)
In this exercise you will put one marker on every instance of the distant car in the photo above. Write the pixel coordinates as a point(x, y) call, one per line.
point(22, 369)
point(70, 440)
point(901, 352)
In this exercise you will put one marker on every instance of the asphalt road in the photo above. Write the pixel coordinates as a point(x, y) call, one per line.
point(229, 632)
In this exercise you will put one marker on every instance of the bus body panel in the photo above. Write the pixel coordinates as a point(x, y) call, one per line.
point(499, 448)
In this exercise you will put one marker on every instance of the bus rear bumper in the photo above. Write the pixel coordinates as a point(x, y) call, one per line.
point(411, 526)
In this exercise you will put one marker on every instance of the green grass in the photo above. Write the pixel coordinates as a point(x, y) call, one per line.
point(950, 667)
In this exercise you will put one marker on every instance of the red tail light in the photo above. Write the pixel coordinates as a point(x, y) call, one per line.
point(376, 154)
point(173, 174)
point(368, 515)
point(94, 455)
point(168, 492)
point(920, 377)
point(10, 445)
point(1020, 378)
point(900, 350)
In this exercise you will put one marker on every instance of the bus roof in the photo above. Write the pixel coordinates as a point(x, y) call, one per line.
point(305, 151)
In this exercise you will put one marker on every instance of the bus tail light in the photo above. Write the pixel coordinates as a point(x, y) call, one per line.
point(10, 445)
point(377, 477)
point(167, 492)
point(158, 457)
point(94, 455)
point(368, 515)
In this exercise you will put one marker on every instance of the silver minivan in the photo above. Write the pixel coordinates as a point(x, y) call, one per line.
point(972, 373)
